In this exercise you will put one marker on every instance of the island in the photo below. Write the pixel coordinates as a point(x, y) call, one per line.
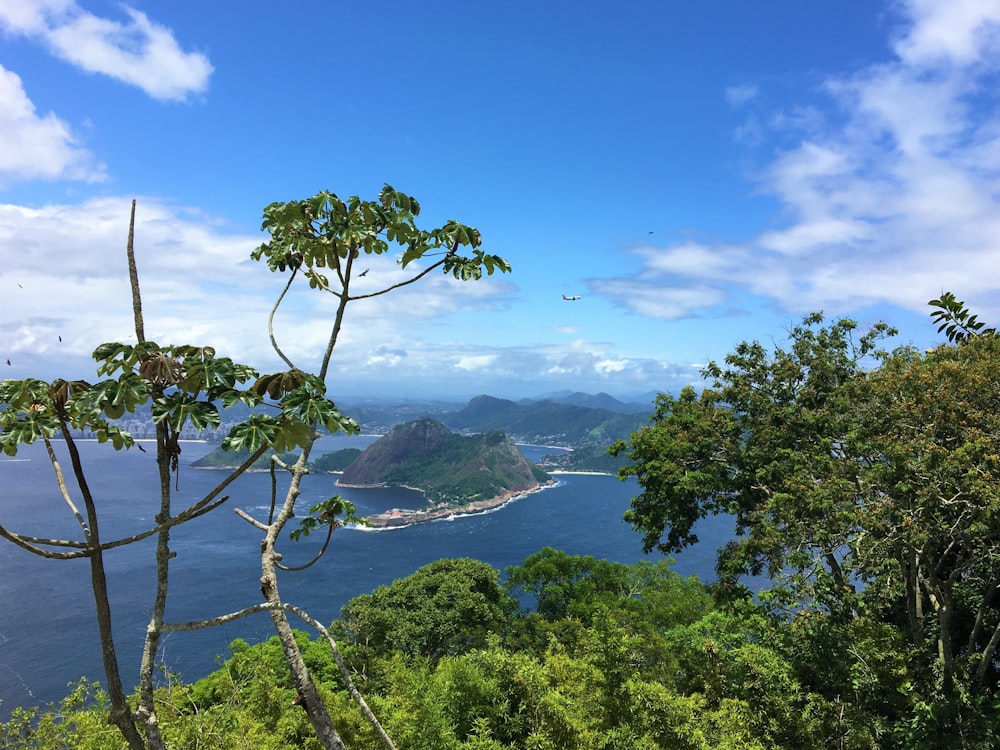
point(458, 474)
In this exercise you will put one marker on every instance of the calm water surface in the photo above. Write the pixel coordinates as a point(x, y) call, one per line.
point(48, 636)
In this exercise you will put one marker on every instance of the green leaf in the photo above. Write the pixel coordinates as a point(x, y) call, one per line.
point(179, 407)
point(257, 431)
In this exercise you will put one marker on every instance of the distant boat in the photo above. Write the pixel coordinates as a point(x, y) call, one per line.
point(571, 298)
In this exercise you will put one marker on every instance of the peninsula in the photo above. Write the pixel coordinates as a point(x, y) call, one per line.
point(457, 474)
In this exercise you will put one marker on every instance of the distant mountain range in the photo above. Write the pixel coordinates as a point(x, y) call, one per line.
point(565, 419)
point(547, 422)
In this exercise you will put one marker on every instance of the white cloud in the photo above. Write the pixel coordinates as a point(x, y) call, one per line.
point(38, 147)
point(476, 362)
point(737, 96)
point(891, 195)
point(958, 32)
point(136, 51)
point(63, 269)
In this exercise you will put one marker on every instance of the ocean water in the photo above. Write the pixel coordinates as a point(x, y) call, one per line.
point(48, 634)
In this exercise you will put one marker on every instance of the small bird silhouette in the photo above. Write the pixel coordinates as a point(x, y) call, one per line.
point(364, 273)
point(8, 363)
point(60, 338)
point(139, 446)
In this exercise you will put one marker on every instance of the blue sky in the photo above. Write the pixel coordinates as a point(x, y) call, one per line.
point(699, 173)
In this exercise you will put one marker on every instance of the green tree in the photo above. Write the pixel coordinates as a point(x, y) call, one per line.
point(186, 385)
point(847, 465)
point(447, 607)
point(767, 443)
point(931, 501)
point(579, 586)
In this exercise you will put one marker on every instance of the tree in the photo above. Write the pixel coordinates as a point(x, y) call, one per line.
point(847, 465)
point(931, 501)
point(768, 444)
point(445, 608)
point(579, 586)
point(186, 384)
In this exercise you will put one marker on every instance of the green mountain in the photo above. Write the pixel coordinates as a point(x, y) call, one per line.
point(335, 461)
point(545, 421)
point(593, 401)
point(448, 468)
point(584, 458)
point(220, 459)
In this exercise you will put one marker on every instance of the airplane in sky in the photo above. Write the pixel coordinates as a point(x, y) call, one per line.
point(570, 299)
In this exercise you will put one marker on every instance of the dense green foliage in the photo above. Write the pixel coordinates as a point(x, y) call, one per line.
point(602, 655)
point(865, 486)
point(446, 607)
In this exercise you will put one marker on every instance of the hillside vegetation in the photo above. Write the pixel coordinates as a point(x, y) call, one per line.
point(449, 468)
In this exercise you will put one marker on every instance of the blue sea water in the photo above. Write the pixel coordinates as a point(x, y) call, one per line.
point(48, 633)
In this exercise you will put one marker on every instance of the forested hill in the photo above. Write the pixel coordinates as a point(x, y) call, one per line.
point(545, 422)
point(448, 468)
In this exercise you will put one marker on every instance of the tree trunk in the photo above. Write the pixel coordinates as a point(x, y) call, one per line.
point(165, 448)
point(308, 696)
point(121, 714)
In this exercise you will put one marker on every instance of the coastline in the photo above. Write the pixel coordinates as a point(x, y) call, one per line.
point(398, 518)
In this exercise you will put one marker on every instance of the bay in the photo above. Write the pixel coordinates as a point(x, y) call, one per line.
point(48, 634)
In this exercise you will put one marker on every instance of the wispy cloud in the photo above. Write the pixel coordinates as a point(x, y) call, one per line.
point(38, 146)
point(889, 194)
point(133, 50)
point(737, 96)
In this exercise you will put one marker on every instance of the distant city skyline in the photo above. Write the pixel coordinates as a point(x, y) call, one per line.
point(696, 175)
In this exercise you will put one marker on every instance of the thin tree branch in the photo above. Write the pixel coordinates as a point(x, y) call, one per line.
point(133, 275)
point(345, 673)
point(61, 481)
point(270, 320)
point(388, 289)
point(250, 519)
point(296, 568)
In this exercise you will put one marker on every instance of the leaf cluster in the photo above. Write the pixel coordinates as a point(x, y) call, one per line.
point(956, 320)
point(328, 232)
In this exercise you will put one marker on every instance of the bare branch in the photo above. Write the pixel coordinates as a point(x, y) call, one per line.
point(28, 543)
point(250, 519)
point(174, 627)
point(270, 319)
point(133, 275)
point(345, 673)
point(407, 282)
point(61, 481)
point(295, 568)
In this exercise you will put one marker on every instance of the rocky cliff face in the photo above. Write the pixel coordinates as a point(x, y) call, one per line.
point(449, 468)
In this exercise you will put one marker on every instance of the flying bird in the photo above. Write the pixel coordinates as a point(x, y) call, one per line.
point(8, 363)
point(571, 298)
point(364, 273)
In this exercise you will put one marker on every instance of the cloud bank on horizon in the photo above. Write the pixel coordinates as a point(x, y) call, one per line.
point(863, 187)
